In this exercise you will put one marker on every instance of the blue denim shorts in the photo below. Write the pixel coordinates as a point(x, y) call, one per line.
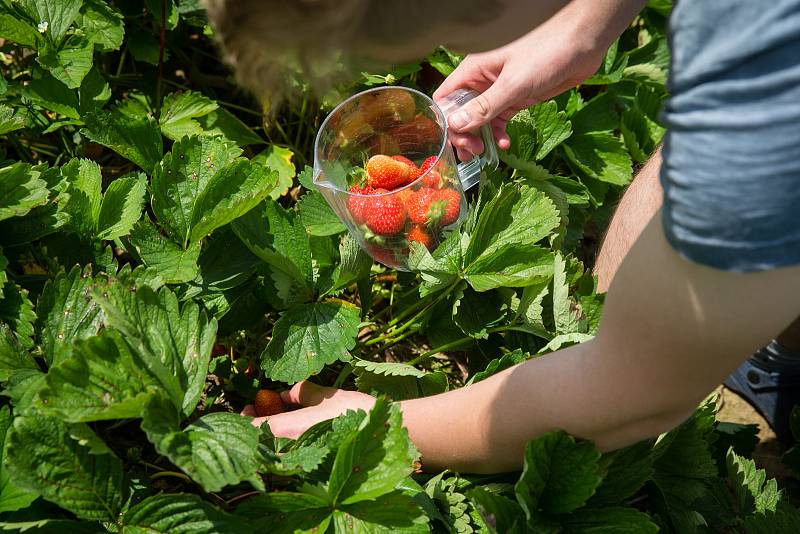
point(731, 171)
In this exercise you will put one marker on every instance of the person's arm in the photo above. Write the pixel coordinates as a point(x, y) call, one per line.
point(555, 56)
point(671, 331)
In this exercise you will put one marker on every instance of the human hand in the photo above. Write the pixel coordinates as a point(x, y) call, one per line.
point(317, 403)
point(554, 57)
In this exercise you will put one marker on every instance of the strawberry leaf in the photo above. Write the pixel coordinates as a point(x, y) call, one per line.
point(278, 159)
point(21, 189)
point(16, 311)
point(82, 177)
point(600, 155)
point(558, 476)
point(101, 24)
point(173, 341)
point(181, 177)
point(232, 191)
point(121, 207)
point(69, 63)
point(317, 216)
point(68, 465)
point(374, 460)
point(135, 138)
point(179, 111)
point(102, 380)
point(309, 336)
point(390, 513)
point(12, 497)
point(67, 313)
point(178, 513)
point(12, 356)
point(217, 450)
point(172, 262)
point(58, 14)
point(611, 520)
point(286, 512)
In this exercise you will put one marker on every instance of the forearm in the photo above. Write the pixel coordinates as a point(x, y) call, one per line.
point(598, 23)
point(671, 331)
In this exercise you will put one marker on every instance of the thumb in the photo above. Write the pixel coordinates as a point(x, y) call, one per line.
point(483, 108)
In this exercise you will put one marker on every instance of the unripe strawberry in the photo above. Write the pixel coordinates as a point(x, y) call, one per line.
point(386, 214)
point(387, 173)
point(268, 403)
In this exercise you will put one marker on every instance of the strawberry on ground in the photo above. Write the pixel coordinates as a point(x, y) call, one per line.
point(385, 214)
point(268, 403)
point(387, 173)
point(358, 204)
point(419, 235)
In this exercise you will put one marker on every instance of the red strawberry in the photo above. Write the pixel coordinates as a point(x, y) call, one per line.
point(386, 214)
point(449, 202)
point(387, 173)
point(268, 403)
point(428, 163)
point(382, 254)
point(358, 204)
point(415, 172)
point(419, 203)
point(419, 235)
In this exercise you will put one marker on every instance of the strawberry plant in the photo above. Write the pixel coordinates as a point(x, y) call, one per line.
point(163, 263)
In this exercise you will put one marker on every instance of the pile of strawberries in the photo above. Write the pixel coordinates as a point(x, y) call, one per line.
point(411, 215)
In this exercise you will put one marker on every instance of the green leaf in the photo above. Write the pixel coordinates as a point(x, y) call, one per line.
point(317, 216)
point(67, 465)
point(392, 513)
point(308, 337)
point(21, 189)
point(19, 31)
point(611, 520)
point(354, 265)
point(22, 387)
point(66, 313)
point(55, 526)
point(512, 265)
point(172, 262)
point(785, 519)
point(565, 318)
point(373, 461)
point(52, 94)
point(101, 24)
point(277, 237)
point(388, 368)
point(597, 115)
point(501, 512)
point(278, 159)
point(122, 206)
point(181, 177)
point(628, 470)
point(137, 139)
point(16, 310)
point(70, 63)
point(507, 361)
point(750, 485)
point(102, 380)
point(380, 381)
point(10, 120)
point(173, 341)
point(552, 127)
point(224, 124)
point(58, 14)
point(179, 110)
point(601, 156)
point(11, 497)
point(286, 513)
point(217, 450)
point(477, 312)
point(517, 215)
point(83, 187)
point(559, 474)
point(12, 356)
point(232, 191)
point(178, 513)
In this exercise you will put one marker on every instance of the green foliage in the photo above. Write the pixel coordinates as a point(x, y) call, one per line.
point(162, 258)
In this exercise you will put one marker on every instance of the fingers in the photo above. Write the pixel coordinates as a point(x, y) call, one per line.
point(466, 145)
point(307, 393)
point(496, 99)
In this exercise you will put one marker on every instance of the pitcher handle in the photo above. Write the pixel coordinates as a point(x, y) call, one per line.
point(470, 172)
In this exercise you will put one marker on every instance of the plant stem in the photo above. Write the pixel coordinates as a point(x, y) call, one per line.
point(162, 44)
point(175, 474)
point(347, 369)
point(459, 342)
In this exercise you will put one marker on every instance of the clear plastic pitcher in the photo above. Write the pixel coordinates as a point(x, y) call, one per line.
point(361, 135)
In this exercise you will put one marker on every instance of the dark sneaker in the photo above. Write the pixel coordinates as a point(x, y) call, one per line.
point(770, 381)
